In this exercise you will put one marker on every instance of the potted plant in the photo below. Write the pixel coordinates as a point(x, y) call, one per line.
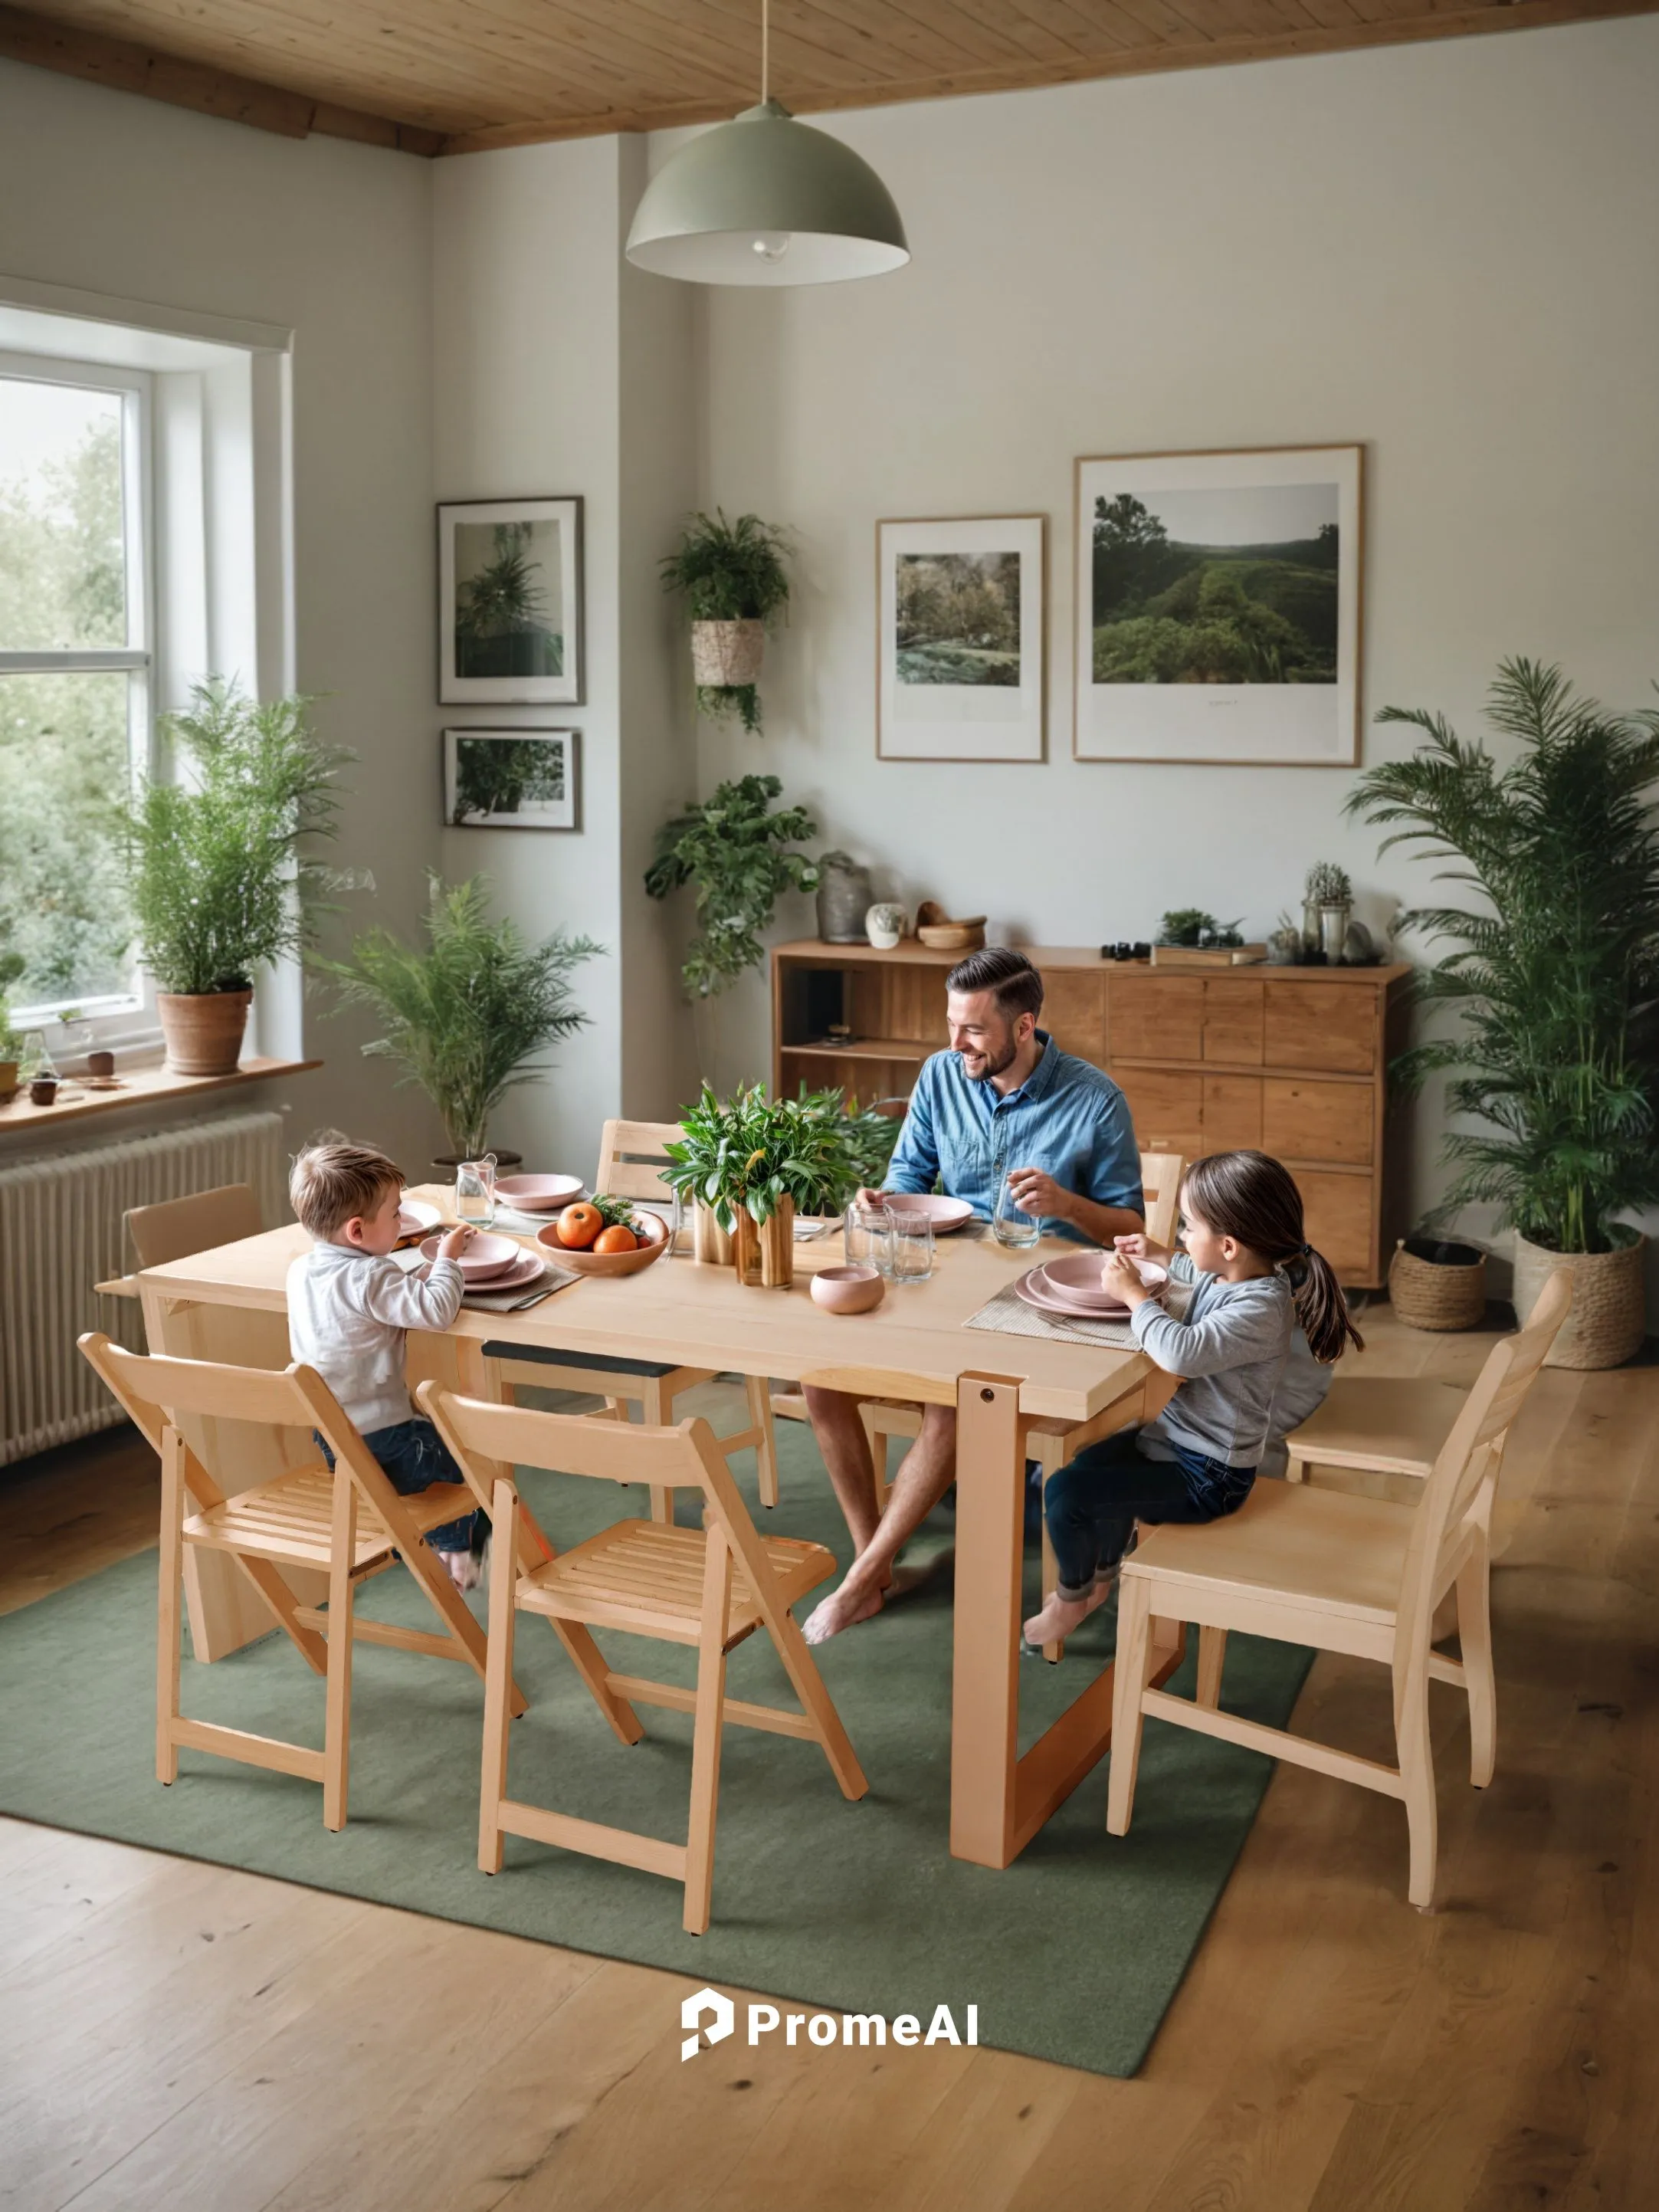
point(1555, 981)
point(734, 851)
point(465, 1014)
point(1327, 903)
point(217, 881)
point(11, 1042)
point(733, 578)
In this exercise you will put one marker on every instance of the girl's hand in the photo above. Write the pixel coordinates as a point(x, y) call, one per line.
point(1121, 1278)
point(1140, 1247)
point(456, 1241)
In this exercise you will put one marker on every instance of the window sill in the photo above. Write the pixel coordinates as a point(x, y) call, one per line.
point(139, 1086)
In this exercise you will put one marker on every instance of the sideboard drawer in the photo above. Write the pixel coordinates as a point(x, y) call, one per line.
point(1157, 1017)
point(1232, 1113)
point(1305, 1119)
point(1074, 1012)
point(1327, 1026)
point(1337, 1210)
point(1167, 1106)
point(1232, 1022)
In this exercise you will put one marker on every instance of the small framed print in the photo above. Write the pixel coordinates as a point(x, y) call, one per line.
point(960, 629)
point(1217, 607)
point(510, 603)
point(512, 780)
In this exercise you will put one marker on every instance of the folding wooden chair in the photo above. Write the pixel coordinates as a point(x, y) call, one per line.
point(349, 1523)
point(631, 1161)
point(710, 1587)
point(1358, 1575)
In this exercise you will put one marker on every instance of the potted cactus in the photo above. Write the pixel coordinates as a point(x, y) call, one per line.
point(1326, 905)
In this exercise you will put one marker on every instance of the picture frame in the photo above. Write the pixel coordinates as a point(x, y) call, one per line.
point(519, 779)
point(962, 638)
point(510, 603)
point(1218, 614)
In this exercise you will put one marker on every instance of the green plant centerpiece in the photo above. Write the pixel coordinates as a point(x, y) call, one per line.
point(466, 1014)
point(1189, 926)
point(218, 879)
point(1554, 982)
point(734, 852)
point(733, 581)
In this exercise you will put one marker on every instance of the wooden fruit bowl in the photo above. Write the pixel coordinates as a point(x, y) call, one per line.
point(608, 1263)
point(936, 930)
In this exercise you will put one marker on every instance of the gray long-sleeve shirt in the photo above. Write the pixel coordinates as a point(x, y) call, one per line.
point(1230, 1351)
point(348, 1314)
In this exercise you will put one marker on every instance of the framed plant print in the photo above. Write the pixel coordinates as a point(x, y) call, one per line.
point(512, 780)
point(1217, 607)
point(510, 603)
point(960, 631)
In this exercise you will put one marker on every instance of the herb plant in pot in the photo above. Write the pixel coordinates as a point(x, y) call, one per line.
point(11, 1042)
point(1554, 982)
point(733, 579)
point(216, 876)
point(465, 1014)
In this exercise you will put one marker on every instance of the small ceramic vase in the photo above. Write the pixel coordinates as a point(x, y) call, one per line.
point(884, 925)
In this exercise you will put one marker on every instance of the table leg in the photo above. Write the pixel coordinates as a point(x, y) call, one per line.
point(985, 1689)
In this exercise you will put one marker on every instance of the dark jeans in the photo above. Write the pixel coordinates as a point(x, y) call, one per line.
point(413, 1456)
point(1092, 1504)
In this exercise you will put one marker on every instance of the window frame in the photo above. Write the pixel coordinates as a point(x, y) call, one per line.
point(128, 1017)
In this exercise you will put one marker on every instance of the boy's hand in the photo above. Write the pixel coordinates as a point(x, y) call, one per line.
point(1121, 1278)
point(455, 1241)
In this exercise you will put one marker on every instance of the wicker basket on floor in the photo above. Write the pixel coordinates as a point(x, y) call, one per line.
point(1437, 1286)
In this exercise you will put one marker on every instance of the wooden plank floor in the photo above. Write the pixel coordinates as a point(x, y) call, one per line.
point(174, 2033)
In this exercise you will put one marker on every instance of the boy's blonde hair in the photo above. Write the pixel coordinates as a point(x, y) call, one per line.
point(334, 1180)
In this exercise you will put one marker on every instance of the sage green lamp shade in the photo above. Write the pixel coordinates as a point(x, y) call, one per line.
point(766, 200)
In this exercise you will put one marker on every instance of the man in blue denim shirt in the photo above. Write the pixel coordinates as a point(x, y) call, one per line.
point(1003, 1101)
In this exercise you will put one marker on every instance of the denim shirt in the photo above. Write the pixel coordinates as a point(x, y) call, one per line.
point(1067, 1118)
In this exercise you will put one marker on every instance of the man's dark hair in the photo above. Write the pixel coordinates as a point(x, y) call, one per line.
point(1008, 975)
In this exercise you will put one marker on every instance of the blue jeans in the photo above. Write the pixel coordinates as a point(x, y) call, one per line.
point(413, 1457)
point(1092, 1504)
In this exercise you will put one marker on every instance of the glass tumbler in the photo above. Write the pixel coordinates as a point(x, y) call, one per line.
point(474, 1192)
point(1009, 1224)
point(867, 1236)
point(912, 1247)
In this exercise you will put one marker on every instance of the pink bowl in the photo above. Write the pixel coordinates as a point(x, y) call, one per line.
point(848, 1290)
point(486, 1255)
point(539, 1193)
point(1078, 1275)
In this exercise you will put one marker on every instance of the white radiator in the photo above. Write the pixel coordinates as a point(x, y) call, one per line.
point(60, 1232)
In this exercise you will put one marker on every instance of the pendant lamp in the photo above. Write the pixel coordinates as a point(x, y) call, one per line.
point(766, 200)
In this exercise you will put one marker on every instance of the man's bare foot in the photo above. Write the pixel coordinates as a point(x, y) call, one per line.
point(844, 1610)
point(463, 1568)
point(1061, 1617)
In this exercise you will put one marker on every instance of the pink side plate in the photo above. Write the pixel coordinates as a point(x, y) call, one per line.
point(944, 1213)
point(415, 1214)
point(1030, 1288)
point(484, 1258)
point(539, 1193)
point(525, 1269)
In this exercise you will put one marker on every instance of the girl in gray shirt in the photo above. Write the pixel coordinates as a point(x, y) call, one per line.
point(1255, 1277)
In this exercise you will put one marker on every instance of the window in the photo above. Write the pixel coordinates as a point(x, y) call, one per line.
point(75, 673)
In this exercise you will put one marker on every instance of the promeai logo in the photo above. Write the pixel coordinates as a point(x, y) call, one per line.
point(821, 2028)
point(720, 2013)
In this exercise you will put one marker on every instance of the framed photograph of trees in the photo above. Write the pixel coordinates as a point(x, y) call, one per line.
point(510, 603)
point(511, 779)
point(960, 631)
point(1217, 607)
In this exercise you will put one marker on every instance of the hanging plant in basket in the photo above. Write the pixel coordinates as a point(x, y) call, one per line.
point(733, 579)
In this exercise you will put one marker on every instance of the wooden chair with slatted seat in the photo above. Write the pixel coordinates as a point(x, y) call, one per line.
point(710, 1587)
point(631, 1162)
point(1358, 1575)
point(349, 1523)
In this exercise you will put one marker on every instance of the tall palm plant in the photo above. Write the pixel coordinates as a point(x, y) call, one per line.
point(1556, 976)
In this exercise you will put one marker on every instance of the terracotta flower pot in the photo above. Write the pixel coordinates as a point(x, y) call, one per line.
point(726, 654)
point(1608, 1318)
point(8, 1080)
point(202, 1030)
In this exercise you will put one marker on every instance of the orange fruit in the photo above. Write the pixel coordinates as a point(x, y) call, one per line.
point(617, 1238)
point(579, 1225)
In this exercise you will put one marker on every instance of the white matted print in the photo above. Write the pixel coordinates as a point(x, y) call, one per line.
point(511, 779)
point(960, 631)
point(510, 602)
point(1217, 607)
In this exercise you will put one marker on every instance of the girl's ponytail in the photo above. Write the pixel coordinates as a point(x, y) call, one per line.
point(1251, 1197)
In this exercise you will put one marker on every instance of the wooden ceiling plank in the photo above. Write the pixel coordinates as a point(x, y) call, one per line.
point(939, 33)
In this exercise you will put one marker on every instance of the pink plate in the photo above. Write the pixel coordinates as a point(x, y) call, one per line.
point(524, 1270)
point(1030, 1287)
point(484, 1258)
point(539, 1193)
point(414, 1214)
point(944, 1213)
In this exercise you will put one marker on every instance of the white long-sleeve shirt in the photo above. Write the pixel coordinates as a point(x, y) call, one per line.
point(348, 1314)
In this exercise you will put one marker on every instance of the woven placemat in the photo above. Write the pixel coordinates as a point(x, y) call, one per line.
point(1008, 1314)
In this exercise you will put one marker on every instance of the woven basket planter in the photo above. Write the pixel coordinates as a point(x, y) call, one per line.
point(1608, 1319)
point(726, 654)
point(1437, 1285)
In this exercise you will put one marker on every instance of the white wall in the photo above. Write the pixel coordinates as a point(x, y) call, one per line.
point(130, 198)
point(1444, 251)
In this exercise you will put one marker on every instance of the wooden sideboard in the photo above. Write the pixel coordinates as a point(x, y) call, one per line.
point(1293, 1060)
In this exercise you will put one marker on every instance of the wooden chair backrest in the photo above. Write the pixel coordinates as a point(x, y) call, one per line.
point(1160, 1186)
point(632, 1159)
point(1463, 1481)
point(179, 1227)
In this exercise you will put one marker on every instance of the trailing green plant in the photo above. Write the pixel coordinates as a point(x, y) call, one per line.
point(747, 1153)
point(1190, 925)
point(1327, 885)
point(464, 1014)
point(732, 850)
point(729, 572)
point(1555, 980)
point(217, 879)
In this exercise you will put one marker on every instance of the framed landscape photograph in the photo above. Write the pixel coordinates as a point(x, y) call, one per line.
point(511, 779)
point(960, 629)
point(1217, 607)
point(510, 603)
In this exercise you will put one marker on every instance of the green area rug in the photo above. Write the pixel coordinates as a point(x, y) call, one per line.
point(1073, 1955)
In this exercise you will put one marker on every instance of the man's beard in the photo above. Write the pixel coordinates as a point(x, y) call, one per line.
point(995, 1064)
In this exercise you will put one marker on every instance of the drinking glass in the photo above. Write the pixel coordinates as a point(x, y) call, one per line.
point(868, 1236)
point(912, 1247)
point(474, 1192)
point(1009, 1224)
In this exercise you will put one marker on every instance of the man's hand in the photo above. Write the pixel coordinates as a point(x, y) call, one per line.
point(1120, 1278)
point(455, 1241)
point(865, 1196)
point(1039, 1195)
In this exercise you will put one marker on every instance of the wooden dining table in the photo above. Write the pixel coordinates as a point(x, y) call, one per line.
point(230, 1304)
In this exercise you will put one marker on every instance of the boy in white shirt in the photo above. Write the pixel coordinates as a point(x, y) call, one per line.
point(349, 1308)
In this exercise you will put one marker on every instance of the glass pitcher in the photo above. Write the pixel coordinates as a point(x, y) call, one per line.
point(474, 1192)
